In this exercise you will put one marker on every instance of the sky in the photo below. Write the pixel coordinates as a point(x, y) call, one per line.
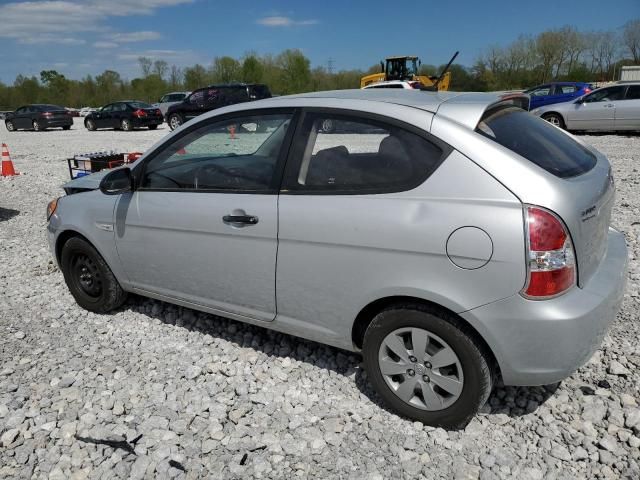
point(80, 37)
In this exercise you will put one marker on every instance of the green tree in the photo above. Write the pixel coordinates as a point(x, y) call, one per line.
point(225, 70)
point(252, 70)
point(295, 71)
point(195, 77)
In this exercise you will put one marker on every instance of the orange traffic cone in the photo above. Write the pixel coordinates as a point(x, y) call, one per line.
point(7, 164)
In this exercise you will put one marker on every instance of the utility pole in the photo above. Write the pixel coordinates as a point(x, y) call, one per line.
point(330, 66)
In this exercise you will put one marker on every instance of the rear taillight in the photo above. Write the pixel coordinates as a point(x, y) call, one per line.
point(551, 265)
point(139, 113)
point(587, 90)
point(159, 112)
point(47, 114)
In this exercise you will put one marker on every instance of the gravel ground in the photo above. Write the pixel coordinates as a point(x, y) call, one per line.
point(156, 390)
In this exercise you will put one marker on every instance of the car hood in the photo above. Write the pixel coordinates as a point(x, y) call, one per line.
point(555, 107)
point(87, 182)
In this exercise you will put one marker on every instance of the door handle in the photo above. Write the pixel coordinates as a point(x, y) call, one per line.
point(240, 219)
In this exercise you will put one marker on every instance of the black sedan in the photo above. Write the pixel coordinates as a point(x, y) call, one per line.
point(125, 115)
point(38, 117)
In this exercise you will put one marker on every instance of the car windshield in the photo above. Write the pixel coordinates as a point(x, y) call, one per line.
point(139, 105)
point(536, 140)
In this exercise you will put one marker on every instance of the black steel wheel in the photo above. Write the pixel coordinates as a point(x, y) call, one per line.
point(89, 278)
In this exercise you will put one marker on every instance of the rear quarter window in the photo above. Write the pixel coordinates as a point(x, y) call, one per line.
point(536, 140)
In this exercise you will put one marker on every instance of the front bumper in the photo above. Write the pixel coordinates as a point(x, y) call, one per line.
point(538, 342)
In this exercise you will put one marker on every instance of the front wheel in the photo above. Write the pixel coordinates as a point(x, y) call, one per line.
point(126, 125)
point(426, 366)
point(36, 126)
point(554, 119)
point(174, 121)
point(90, 124)
point(10, 126)
point(89, 278)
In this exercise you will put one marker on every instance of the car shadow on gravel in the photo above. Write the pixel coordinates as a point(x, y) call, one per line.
point(7, 213)
point(511, 401)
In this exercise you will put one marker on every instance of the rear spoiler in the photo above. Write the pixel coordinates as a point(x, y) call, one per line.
point(520, 100)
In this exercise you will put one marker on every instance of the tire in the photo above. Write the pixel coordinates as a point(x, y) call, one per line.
point(89, 278)
point(152, 127)
point(90, 124)
point(67, 127)
point(466, 374)
point(126, 125)
point(10, 126)
point(175, 120)
point(554, 119)
point(36, 126)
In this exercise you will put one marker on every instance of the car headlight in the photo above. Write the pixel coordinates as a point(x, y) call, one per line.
point(51, 207)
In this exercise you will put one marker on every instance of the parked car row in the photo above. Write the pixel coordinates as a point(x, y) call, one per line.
point(175, 108)
point(614, 108)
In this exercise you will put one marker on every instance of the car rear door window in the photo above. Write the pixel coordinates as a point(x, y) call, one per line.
point(236, 155)
point(345, 154)
point(536, 140)
point(564, 89)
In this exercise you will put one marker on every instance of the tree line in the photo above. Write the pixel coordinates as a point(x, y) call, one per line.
point(556, 54)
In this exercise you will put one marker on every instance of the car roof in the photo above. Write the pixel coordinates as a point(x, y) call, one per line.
point(465, 108)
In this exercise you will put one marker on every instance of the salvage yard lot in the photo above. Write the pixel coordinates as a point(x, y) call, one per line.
point(179, 393)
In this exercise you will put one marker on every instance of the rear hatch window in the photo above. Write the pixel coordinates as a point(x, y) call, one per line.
point(536, 140)
point(257, 92)
point(139, 105)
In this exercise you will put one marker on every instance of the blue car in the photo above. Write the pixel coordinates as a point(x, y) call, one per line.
point(556, 92)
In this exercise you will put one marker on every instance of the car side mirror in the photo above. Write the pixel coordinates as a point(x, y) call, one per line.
point(117, 182)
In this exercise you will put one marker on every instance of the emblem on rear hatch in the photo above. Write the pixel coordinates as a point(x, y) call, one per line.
point(588, 213)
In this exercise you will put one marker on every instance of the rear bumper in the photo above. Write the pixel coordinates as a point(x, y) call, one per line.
point(542, 342)
point(62, 122)
point(145, 122)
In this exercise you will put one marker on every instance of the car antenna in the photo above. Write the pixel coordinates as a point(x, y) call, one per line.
point(434, 87)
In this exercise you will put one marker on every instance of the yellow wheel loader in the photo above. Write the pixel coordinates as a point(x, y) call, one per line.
point(406, 68)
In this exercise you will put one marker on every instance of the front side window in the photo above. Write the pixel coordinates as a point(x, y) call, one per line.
point(197, 98)
point(352, 154)
point(107, 108)
point(238, 154)
point(606, 95)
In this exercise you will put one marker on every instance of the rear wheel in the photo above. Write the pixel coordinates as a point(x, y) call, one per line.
point(126, 125)
point(67, 127)
point(175, 120)
point(89, 278)
point(36, 126)
point(10, 126)
point(426, 366)
point(153, 127)
point(554, 119)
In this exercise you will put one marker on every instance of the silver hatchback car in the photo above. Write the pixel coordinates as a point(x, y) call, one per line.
point(454, 239)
